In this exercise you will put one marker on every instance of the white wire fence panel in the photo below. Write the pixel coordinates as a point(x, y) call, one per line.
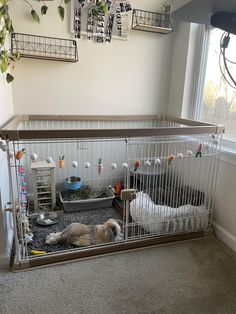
point(174, 177)
point(101, 124)
point(175, 180)
point(81, 160)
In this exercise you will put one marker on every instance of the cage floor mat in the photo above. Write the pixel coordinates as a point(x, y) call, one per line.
point(88, 217)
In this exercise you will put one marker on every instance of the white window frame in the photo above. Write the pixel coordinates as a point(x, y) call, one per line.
point(228, 146)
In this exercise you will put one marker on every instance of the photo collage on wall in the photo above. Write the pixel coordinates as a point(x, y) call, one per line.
point(98, 25)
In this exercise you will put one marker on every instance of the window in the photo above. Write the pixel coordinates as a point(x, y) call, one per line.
point(218, 103)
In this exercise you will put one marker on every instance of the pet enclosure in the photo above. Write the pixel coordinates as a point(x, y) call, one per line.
point(160, 174)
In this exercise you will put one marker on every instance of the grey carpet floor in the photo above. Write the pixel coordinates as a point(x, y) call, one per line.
point(190, 277)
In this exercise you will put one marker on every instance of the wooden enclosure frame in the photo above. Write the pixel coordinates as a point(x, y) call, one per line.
point(10, 130)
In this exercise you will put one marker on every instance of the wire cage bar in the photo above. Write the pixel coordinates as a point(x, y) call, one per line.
point(171, 169)
point(46, 48)
point(151, 21)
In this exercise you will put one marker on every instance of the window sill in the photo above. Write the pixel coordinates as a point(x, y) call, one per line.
point(228, 155)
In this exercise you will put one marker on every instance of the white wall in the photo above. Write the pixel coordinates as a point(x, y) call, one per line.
point(6, 111)
point(178, 69)
point(124, 77)
point(225, 214)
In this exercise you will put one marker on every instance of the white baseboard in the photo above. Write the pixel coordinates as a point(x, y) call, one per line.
point(4, 260)
point(225, 236)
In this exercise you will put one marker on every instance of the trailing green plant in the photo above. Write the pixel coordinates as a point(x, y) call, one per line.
point(6, 28)
point(44, 8)
point(101, 6)
point(165, 7)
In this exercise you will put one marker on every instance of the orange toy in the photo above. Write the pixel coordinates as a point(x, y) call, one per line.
point(118, 188)
point(137, 164)
point(61, 162)
point(20, 154)
point(170, 158)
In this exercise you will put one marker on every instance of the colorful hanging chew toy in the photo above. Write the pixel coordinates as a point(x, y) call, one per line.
point(100, 166)
point(199, 151)
point(23, 193)
point(137, 165)
point(20, 153)
point(61, 162)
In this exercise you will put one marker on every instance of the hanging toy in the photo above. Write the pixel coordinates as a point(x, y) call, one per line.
point(33, 157)
point(189, 153)
point(125, 165)
point(100, 166)
point(170, 158)
point(21, 170)
point(147, 163)
point(157, 162)
point(113, 166)
point(180, 156)
point(20, 154)
point(87, 165)
point(199, 151)
point(137, 165)
point(49, 160)
point(61, 162)
point(74, 164)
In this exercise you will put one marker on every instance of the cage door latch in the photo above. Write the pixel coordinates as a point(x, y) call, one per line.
point(128, 194)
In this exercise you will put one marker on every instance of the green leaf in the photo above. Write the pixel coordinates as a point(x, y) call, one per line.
point(61, 12)
point(2, 38)
point(3, 10)
point(35, 16)
point(9, 78)
point(67, 1)
point(4, 66)
point(105, 8)
point(16, 56)
point(44, 9)
point(4, 2)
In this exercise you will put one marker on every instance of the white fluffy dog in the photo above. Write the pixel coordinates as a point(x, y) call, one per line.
point(84, 235)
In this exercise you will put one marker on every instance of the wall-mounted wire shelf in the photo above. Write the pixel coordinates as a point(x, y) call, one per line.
point(46, 48)
point(151, 21)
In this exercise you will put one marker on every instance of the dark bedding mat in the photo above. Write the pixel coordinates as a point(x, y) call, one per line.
point(89, 217)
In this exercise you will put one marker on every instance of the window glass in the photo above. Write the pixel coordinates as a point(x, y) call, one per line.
point(219, 98)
